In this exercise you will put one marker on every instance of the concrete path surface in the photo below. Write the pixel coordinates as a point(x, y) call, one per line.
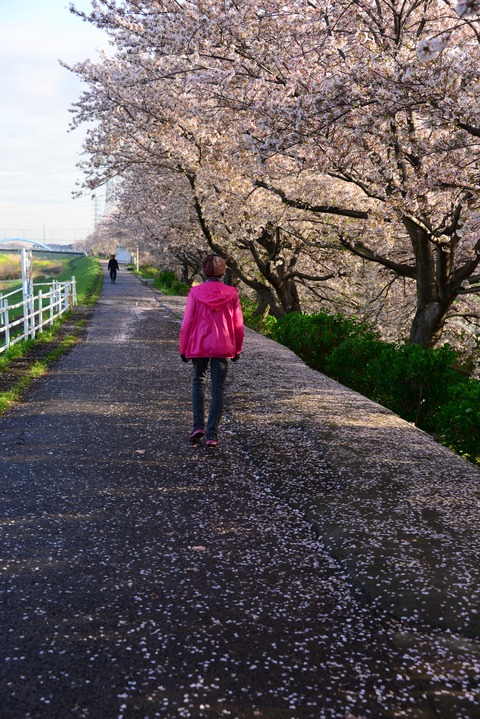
point(285, 575)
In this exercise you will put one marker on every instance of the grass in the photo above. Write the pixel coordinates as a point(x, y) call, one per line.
point(11, 268)
point(87, 272)
point(38, 368)
point(14, 352)
point(50, 344)
point(89, 276)
point(49, 338)
point(166, 282)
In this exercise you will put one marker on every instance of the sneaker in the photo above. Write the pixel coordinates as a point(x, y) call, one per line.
point(196, 436)
point(212, 442)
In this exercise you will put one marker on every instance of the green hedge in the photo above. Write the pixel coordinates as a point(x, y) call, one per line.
point(263, 324)
point(407, 379)
point(421, 385)
point(166, 282)
point(458, 420)
point(313, 337)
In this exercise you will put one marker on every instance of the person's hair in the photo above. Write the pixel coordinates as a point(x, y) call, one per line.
point(213, 266)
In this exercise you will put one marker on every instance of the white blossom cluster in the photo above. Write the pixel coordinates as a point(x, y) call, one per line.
point(467, 8)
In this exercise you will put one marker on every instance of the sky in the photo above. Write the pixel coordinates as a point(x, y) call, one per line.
point(38, 154)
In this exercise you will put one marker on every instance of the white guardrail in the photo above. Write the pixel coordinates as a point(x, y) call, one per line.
point(32, 313)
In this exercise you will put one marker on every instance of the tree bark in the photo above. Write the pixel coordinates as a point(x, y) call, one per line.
point(434, 296)
point(428, 323)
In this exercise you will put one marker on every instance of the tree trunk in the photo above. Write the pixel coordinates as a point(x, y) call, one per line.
point(287, 294)
point(266, 298)
point(427, 325)
point(433, 285)
point(274, 268)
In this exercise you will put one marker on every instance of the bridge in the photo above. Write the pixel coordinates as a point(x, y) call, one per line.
point(22, 239)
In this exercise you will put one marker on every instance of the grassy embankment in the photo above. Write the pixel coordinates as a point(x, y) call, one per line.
point(28, 359)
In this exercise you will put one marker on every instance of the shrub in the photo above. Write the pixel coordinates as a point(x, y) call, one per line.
point(170, 284)
point(166, 282)
point(419, 379)
point(313, 337)
point(358, 362)
point(458, 420)
point(409, 380)
point(263, 324)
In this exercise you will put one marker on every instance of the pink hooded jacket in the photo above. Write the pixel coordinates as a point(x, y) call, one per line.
point(213, 322)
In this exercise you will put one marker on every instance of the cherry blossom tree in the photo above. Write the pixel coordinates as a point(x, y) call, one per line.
point(351, 97)
point(147, 126)
point(303, 120)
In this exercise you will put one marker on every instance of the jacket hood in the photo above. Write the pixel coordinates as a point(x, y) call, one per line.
point(214, 294)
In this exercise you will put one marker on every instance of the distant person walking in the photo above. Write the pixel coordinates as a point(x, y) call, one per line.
point(113, 268)
point(212, 333)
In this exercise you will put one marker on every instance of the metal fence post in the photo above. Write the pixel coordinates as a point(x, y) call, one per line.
point(31, 312)
point(67, 296)
point(26, 328)
point(74, 290)
point(6, 318)
point(40, 311)
point(51, 295)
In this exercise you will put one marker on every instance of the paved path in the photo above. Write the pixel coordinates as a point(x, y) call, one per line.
point(144, 578)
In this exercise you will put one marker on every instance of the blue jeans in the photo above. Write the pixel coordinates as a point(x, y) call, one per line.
point(218, 374)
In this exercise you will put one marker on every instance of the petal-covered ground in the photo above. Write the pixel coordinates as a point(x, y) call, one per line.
point(142, 577)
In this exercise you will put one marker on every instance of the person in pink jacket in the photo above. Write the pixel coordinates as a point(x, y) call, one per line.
point(212, 333)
